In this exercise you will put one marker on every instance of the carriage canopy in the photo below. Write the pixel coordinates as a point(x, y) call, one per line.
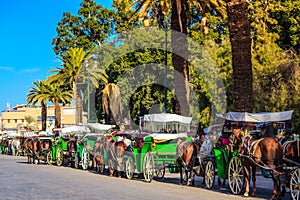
point(258, 117)
point(166, 121)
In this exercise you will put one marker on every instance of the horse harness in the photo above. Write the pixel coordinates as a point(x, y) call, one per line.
point(250, 148)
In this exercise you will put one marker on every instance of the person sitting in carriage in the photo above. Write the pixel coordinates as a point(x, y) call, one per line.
point(271, 130)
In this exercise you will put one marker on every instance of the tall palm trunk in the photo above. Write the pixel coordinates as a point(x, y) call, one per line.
point(44, 116)
point(179, 45)
point(239, 31)
point(57, 114)
point(78, 99)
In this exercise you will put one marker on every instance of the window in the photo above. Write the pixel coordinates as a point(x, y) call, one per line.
point(16, 121)
point(22, 120)
point(8, 121)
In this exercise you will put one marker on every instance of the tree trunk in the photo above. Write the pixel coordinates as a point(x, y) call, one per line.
point(57, 114)
point(78, 99)
point(179, 45)
point(239, 31)
point(44, 116)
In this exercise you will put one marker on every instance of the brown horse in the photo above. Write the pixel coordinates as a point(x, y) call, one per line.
point(98, 155)
point(291, 152)
point(116, 164)
point(71, 151)
point(185, 152)
point(266, 153)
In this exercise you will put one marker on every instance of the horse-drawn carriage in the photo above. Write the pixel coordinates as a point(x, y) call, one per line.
point(86, 150)
point(156, 150)
point(264, 152)
point(63, 147)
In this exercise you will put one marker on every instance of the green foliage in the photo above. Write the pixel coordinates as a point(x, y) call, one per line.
point(88, 29)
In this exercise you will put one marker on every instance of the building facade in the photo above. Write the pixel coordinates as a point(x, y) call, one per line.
point(26, 116)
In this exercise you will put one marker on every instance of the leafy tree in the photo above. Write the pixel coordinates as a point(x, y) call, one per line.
point(40, 94)
point(88, 29)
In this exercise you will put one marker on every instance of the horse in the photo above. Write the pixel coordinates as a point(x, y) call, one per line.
point(265, 152)
point(291, 151)
point(117, 151)
point(71, 151)
point(98, 155)
point(15, 147)
point(28, 148)
point(186, 152)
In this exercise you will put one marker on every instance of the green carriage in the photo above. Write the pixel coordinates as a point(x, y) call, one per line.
point(228, 159)
point(85, 145)
point(152, 153)
point(59, 153)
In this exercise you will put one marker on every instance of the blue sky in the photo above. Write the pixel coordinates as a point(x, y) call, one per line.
point(26, 33)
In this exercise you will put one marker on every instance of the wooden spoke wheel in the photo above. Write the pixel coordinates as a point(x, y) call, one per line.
point(209, 174)
point(148, 167)
point(76, 160)
point(236, 175)
point(160, 173)
point(129, 168)
point(85, 159)
point(295, 185)
point(59, 156)
point(49, 158)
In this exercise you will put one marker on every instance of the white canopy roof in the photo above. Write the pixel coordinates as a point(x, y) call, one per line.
point(258, 117)
point(213, 128)
point(100, 127)
point(167, 117)
point(81, 129)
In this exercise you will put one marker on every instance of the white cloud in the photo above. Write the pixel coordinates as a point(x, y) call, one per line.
point(5, 68)
point(30, 70)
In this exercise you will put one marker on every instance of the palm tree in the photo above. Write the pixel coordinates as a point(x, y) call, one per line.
point(73, 72)
point(111, 101)
point(239, 31)
point(39, 94)
point(179, 10)
point(59, 93)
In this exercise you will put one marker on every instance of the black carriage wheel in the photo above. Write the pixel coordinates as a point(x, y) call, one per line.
point(236, 175)
point(209, 174)
point(49, 157)
point(129, 168)
point(59, 157)
point(76, 160)
point(148, 167)
point(295, 185)
point(160, 173)
point(85, 159)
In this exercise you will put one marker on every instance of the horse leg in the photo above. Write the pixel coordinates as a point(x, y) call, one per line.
point(253, 181)
point(276, 193)
point(247, 180)
point(180, 172)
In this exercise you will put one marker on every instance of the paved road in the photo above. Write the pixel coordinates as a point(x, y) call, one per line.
point(20, 180)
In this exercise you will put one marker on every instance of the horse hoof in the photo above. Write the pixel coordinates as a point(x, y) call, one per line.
point(246, 195)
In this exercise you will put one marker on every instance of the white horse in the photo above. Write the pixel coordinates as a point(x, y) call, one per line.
point(15, 147)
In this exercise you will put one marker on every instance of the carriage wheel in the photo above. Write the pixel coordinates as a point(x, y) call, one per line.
point(235, 175)
point(76, 160)
point(129, 168)
point(148, 167)
point(49, 157)
point(160, 173)
point(295, 184)
point(209, 174)
point(85, 159)
point(59, 157)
